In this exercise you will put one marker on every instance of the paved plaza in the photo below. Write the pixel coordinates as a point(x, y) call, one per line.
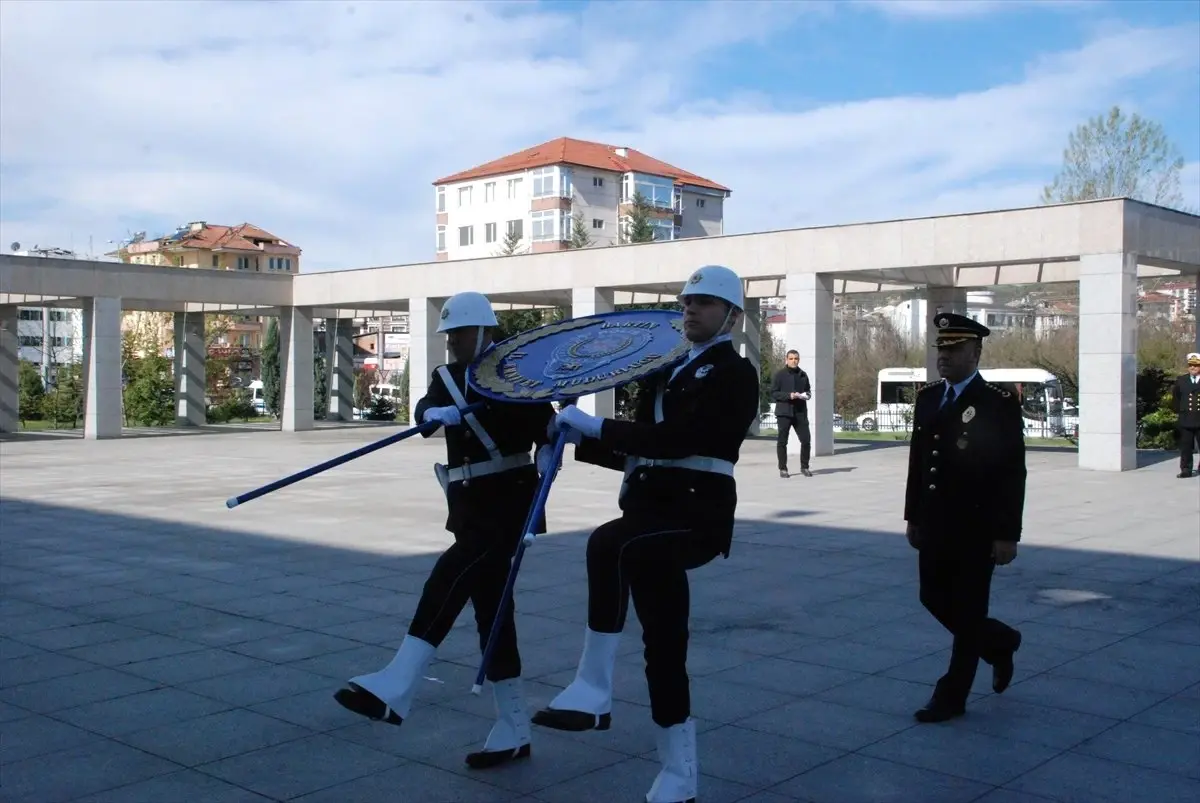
point(156, 647)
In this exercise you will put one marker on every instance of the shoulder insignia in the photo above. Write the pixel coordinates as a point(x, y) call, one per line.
point(1003, 393)
point(928, 385)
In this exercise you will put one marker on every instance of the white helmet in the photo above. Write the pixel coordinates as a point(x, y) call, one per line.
point(467, 309)
point(718, 281)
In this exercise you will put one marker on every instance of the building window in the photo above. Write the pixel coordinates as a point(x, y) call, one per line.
point(516, 228)
point(441, 199)
point(657, 191)
point(514, 188)
point(543, 224)
point(441, 239)
point(243, 263)
point(597, 223)
point(489, 192)
point(216, 261)
point(597, 181)
point(543, 183)
point(464, 196)
point(663, 229)
point(466, 235)
point(700, 202)
point(489, 233)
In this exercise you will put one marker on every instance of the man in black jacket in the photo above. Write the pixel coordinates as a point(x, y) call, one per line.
point(790, 389)
point(489, 481)
point(1185, 396)
point(677, 504)
point(964, 504)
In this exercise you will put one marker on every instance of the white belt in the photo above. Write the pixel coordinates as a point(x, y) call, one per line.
point(470, 471)
point(713, 465)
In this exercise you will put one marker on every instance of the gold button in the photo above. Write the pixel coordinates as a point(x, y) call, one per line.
point(937, 437)
point(933, 487)
point(933, 470)
point(935, 452)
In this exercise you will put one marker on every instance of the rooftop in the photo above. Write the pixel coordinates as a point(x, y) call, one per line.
point(217, 237)
point(582, 153)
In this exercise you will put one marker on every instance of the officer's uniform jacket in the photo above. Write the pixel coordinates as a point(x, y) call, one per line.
point(966, 465)
point(490, 477)
point(679, 451)
point(1186, 397)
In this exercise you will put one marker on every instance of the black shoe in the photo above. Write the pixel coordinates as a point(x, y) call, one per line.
point(1002, 670)
point(939, 711)
point(486, 759)
point(575, 721)
point(806, 472)
point(783, 472)
point(357, 699)
point(1184, 475)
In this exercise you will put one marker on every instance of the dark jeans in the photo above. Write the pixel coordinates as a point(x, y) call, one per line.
point(786, 424)
point(1189, 443)
point(649, 560)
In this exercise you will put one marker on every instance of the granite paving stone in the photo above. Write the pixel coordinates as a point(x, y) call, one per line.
point(156, 646)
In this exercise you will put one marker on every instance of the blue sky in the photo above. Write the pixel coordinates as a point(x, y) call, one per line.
point(326, 123)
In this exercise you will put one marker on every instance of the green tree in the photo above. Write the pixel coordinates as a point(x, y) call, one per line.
point(511, 244)
point(580, 236)
point(1113, 155)
point(30, 392)
point(64, 403)
point(272, 392)
point(320, 386)
point(638, 228)
point(150, 395)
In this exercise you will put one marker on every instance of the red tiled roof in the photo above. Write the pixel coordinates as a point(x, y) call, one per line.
point(1156, 298)
point(595, 155)
point(233, 238)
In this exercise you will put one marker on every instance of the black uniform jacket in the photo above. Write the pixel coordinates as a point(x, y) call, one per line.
point(707, 410)
point(1186, 397)
point(500, 500)
point(783, 384)
point(966, 465)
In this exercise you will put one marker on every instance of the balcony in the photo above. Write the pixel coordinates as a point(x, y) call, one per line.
point(551, 188)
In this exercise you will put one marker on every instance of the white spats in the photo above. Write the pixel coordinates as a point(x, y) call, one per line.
point(679, 777)
point(511, 730)
point(396, 683)
point(591, 690)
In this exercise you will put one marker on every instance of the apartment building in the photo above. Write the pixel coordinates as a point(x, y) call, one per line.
point(532, 198)
point(200, 244)
point(48, 337)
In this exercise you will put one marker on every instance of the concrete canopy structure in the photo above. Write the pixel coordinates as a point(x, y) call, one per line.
point(1103, 245)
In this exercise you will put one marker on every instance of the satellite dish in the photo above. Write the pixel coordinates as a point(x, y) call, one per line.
point(15, 246)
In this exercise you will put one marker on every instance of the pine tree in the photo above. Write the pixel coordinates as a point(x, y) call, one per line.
point(270, 370)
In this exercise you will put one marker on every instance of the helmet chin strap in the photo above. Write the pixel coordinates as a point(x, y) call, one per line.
point(720, 330)
point(478, 342)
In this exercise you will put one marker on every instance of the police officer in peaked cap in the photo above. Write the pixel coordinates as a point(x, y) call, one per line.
point(964, 504)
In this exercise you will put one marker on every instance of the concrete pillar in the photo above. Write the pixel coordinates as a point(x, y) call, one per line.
point(296, 368)
point(102, 367)
point(595, 301)
point(427, 349)
point(939, 299)
point(9, 369)
point(748, 340)
point(339, 367)
point(810, 332)
point(1108, 362)
point(190, 376)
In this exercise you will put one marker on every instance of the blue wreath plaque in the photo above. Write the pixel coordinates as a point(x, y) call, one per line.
point(580, 356)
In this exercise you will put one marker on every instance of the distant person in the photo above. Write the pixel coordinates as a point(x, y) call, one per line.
point(791, 390)
point(964, 504)
point(1185, 400)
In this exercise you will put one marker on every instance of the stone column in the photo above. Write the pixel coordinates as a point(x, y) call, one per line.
point(339, 367)
point(939, 299)
point(296, 368)
point(426, 351)
point(190, 377)
point(595, 301)
point(10, 420)
point(102, 368)
point(1108, 362)
point(748, 340)
point(810, 332)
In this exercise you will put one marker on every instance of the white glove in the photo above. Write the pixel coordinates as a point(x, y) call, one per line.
point(446, 415)
point(574, 418)
point(553, 429)
point(545, 455)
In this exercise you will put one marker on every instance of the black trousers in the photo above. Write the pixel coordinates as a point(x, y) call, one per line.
point(474, 568)
point(1189, 444)
point(956, 583)
point(649, 559)
point(785, 425)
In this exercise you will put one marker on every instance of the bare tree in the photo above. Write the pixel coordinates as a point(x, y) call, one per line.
point(1113, 156)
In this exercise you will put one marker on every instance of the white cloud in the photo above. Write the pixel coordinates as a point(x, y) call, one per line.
point(326, 123)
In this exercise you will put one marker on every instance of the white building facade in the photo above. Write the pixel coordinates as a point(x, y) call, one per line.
point(48, 337)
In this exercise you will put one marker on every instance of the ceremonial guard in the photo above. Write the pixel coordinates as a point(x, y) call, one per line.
point(964, 504)
point(678, 500)
point(1185, 397)
point(490, 481)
